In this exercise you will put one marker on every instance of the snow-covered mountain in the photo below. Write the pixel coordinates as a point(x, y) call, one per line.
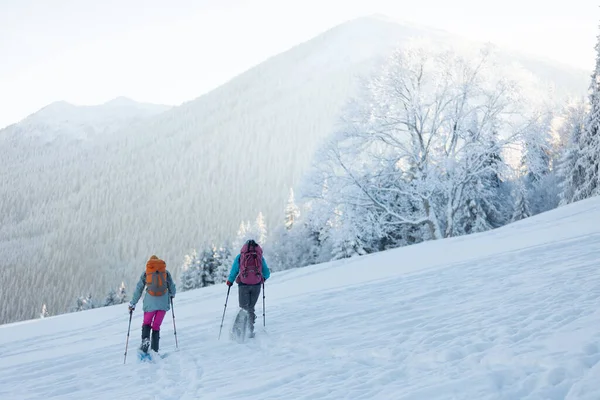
point(62, 120)
point(80, 216)
point(506, 314)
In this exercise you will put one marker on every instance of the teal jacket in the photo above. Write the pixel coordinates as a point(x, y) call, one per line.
point(153, 303)
point(235, 269)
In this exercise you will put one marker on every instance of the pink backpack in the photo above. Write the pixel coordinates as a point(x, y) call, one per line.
point(250, 264)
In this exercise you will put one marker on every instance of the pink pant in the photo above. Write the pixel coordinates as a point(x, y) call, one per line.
point(154, 318)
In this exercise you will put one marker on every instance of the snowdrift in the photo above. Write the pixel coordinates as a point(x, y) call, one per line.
point(508, 314)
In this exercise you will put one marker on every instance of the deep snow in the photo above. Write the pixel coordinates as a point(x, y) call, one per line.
point(508, 314)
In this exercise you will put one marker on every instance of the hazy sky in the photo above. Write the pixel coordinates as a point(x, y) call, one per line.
point(90, 51)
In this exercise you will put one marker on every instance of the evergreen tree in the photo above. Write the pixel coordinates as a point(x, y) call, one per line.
point(484, 206)
point(209, 266)
point(190, 277)
point(225, 258)
point(122, 294)
point(112, 298)
point(522, 205)
point(346, 237)
point(260, 229)
point(536, 168)
point(589, 143)
point(292, 212)
point(44, 312)
point(83, 303)
point(244, 233)
point(570, 174)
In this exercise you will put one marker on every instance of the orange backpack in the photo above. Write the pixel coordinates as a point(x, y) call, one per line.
point(156, 276)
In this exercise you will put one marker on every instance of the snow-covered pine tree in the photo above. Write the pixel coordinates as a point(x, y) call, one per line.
point(589, 144)
point(79, 304)
point(570, 174)
point(535, 167)
point(260, 229)
point(83, 303)
point(244, 233)
point(122, 294)
point(208, 267)
point(44, 312)
point(535, 159)
point(522, 204)
point(346, 237)
point(484, 205)
point(225, 260)
point(292, 212)
point(191, 273)
point(111, 298)
point(90, 302)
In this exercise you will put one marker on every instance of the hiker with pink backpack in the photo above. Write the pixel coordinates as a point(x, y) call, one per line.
point(249, 271)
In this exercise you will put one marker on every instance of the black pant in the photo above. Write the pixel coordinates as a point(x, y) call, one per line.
point(248, 296)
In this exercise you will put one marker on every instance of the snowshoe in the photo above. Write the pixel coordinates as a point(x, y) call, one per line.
point(145, 345)
point(144, 355)
point(151, 356)
point(241, 327)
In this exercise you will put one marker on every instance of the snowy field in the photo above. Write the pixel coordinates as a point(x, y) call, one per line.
point(508, 314)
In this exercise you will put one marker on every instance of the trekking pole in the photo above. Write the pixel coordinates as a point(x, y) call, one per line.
point(128, 329)
point(264, 322)
point(223, 319)
point(174, 329)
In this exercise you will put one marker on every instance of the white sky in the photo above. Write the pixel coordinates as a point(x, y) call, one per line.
point(90, 51)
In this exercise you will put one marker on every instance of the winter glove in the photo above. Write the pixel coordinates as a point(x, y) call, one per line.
point(229, 283)
point(131, 307)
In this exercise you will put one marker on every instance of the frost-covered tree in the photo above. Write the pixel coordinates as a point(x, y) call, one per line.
point(292, 212)
point(521, 210)
point(83, 303)
point(260, 229)
point(346, 237)
point(225, 260)
point(305, 243)
point(589, 141)
point(244, 233)
point(111, 298)
point(204, 269)
point(536, 154)
point(209, 267)
point(570, 174)
point(418, 150)
point(191, 272)
point(256, 231)
point(122, 294)
point(44, 312)
point(487, 198)
point(539, 179)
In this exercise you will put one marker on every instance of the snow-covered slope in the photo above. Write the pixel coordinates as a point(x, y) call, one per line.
point(507, 314)
point(72, 209)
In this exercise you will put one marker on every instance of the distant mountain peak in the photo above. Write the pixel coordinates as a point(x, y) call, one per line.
point(121, 101)
point(378, 18)
point(58, 106)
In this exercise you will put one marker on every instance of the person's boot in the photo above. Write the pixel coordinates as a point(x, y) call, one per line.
point(145, 338)
point(155, 339)
point(251, 321)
